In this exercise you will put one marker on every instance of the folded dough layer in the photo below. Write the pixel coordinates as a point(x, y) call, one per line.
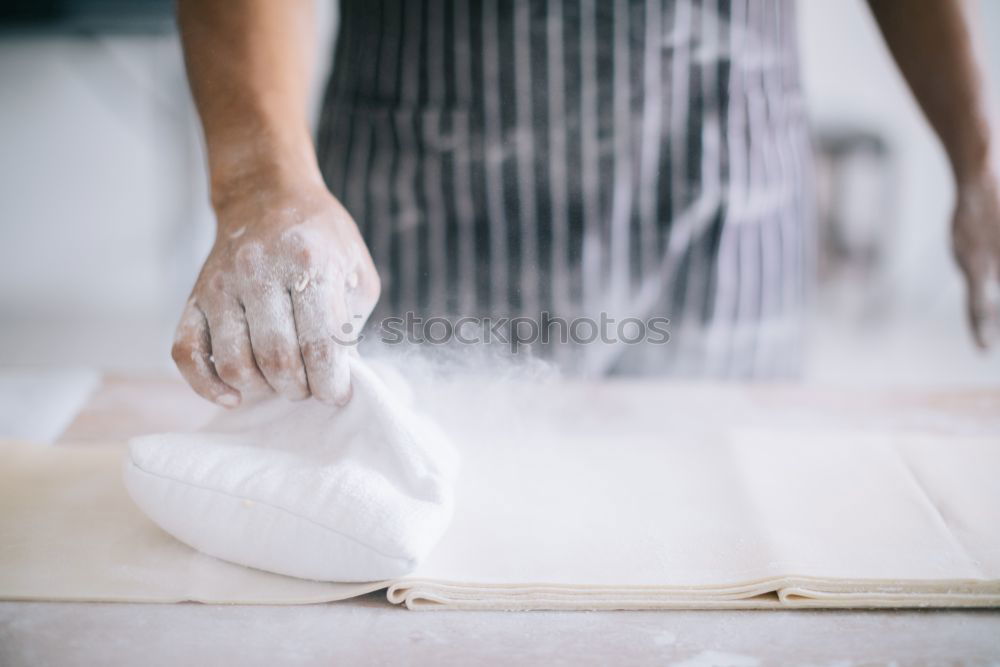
point(358, 493)
point(773, 593)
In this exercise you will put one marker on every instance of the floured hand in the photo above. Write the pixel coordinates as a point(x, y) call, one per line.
point(280, 300)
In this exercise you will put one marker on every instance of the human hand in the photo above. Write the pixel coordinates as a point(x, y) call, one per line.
point(976, 244)
point(280, 300)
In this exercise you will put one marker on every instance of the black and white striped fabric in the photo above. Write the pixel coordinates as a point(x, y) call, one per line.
point(636, 158)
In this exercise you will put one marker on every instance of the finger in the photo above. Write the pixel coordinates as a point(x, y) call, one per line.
point(989, 307)
point(275, 345)
point(192, 352)
point(231, 350)
point(978, 307)
point(324, 339)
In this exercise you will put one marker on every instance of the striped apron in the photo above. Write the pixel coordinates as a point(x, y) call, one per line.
point(633, 158)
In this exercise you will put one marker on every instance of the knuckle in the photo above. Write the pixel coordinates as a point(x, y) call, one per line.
point(247, 257)
point(232, 372)
point(370, 284)
point(318, 352)
point(277, 361)
point(216, 283)
point(182, 352)
point(303, 247)
point(294, 238)
point(305, 255)
point(211, 285)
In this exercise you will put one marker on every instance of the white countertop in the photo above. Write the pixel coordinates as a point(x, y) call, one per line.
point(368, 630)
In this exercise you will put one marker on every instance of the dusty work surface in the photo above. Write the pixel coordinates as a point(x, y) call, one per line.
point(370, 630)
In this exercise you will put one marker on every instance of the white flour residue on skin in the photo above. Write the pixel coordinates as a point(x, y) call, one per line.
point(304, 279)
point(277, 303)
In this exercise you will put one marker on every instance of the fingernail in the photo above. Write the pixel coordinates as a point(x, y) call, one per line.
point(228, 400)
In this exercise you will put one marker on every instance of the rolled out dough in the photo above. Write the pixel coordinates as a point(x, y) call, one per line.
point(755, 519)
point(69, 531)
point(579, 516)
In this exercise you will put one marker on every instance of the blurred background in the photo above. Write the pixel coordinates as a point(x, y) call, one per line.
point(105, 215)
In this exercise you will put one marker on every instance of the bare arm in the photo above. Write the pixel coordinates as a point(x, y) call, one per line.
point(289, 277)
point(932, 43)
point(248, 64)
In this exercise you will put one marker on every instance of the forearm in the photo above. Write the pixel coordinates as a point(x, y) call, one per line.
point(248, 63)
point(931, 41)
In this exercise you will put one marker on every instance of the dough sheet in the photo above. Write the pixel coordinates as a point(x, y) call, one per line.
point(69, 531)
point(752, 520)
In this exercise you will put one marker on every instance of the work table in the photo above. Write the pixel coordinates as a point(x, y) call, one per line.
point(370, 630)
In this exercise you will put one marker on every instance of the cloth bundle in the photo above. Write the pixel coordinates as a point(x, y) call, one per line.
point(358, 493)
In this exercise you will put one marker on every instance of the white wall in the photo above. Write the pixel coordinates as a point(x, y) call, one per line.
point(104, 216)
point(89, 170)
point(99, 170)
